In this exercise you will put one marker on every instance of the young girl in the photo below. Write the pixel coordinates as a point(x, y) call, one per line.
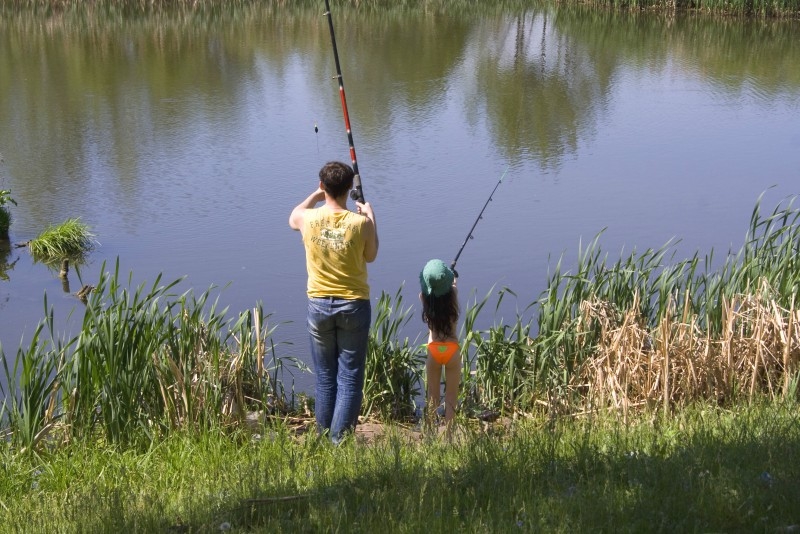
point(440, 312)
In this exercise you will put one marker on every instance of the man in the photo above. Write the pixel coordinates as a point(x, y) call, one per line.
point(338, 243)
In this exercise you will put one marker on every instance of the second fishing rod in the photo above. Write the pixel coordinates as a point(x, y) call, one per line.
point(358, 192)
point(480, 216)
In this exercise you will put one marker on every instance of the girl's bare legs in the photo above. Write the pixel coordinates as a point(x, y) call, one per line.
point(452, 383)
point(434, 397)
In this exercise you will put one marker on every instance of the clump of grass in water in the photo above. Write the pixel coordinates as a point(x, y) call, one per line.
point(70, 239)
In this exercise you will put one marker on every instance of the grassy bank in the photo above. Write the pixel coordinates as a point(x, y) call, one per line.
point(705, 469)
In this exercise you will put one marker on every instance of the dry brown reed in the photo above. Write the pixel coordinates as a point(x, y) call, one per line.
point(677, 361)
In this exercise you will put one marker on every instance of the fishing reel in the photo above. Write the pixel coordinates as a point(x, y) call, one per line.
point(357, 193)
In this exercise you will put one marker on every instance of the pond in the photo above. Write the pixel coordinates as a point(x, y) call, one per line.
point(184, 139)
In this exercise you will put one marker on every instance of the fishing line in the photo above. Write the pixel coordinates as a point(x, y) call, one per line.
point(357, 193)
point(480, 216)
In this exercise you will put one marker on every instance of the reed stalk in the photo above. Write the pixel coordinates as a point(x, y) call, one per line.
point(741, 8)
point(504, 372)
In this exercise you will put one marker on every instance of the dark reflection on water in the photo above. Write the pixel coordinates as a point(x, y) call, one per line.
point(7, 261)
point(185, 138)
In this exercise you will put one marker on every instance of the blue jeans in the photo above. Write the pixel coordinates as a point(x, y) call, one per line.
point(339, 332)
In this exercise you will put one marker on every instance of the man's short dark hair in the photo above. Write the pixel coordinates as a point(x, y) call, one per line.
point(336, 178)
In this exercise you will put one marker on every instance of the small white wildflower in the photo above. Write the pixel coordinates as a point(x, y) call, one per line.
point(224, 527)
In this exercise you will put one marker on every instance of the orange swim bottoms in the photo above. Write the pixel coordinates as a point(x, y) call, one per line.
point(442, 351)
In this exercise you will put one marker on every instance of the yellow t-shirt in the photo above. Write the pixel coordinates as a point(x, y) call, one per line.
point(334, 243)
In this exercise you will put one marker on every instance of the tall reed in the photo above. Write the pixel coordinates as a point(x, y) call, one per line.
point(499, 363)
point(643, 331)
point(393, 376)
point(29, 403)
point(144, 362)
point(749, 8)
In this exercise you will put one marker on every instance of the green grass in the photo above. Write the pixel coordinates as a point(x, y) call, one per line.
point(70, 239)
point(703, 470)
point(502, 360)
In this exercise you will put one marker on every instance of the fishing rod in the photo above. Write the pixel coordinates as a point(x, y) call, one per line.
point(480, 216)
point(357, 193)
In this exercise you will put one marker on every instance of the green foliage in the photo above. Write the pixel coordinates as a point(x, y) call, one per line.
point(147, 362)
point(763, 8)
point(5, 198)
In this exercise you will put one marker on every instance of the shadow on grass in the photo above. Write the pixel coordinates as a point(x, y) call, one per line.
point(720, 473)
point(699, 471)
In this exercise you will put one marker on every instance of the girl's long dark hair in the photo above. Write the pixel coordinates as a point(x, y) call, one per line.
point(440, 313)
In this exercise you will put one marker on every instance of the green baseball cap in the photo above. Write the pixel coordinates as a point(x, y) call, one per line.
point(436, 278)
